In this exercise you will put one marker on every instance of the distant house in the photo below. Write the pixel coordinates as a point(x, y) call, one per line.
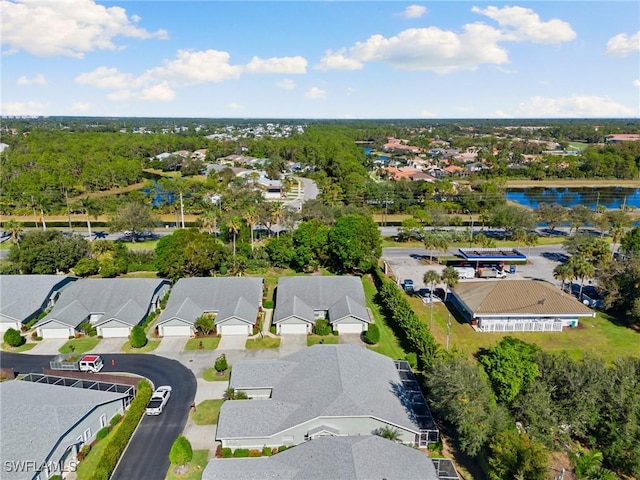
point(60, 421)
point(622, 137)
point(234, 302)
point(323, 390)
point(361, 457)
point(301, 301)
point(517, 306)
point(112, 305)
point(24, 297)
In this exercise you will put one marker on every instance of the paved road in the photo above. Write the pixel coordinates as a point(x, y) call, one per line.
point(147, 456)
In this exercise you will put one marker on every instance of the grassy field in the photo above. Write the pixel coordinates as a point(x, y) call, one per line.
point(322, 339)
point(265, 342)
point(388, 344)
point(149, 347)
point(211, 375)
point(599, 336)
point(208, 343)
point(196, 466)
point(22, 348)
point(206, 412)
point(80, 345)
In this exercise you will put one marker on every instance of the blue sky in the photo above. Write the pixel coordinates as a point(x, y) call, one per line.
point(321, 59)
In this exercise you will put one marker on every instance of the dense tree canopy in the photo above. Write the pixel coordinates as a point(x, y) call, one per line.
point(189, 253)
point(48, 252)
point(355, 244)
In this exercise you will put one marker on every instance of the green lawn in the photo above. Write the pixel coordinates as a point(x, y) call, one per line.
point(198, 462)
point(208, 343)
point(388, 344)
point(206, 412)
point(322, 339)
point(80, 345)
point(211, 375)
point(22, 348)
point(149, 347)
point(599, 335)
point(265, 342)
point(87, 467)
point(146, 245)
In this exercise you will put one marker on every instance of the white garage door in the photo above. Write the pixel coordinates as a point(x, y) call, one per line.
point(350, 327)
point(113, 332)
point(293, 328)
point(233, 329)
point(55, 332)
point(175, 331)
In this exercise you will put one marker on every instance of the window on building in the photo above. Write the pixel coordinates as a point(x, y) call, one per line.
point(103, 420)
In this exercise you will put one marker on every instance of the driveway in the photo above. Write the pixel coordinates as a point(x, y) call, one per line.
point(171, 345)
point(291, 343)
point(48, 347)
point(351, 339)
point(232, 342)
point(109, 345)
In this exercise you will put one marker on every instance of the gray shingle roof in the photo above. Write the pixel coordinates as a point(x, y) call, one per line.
point(344, 458)
point(240, 309)
point(104, 295)
point(129, 313)
point(52, 411)
point(293, 307)
point(21, 296)
point(345, 307)
point(319, 381)
point(319, 293)
point(211, 294)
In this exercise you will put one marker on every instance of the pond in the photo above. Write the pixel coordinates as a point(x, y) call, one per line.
point(609, 197)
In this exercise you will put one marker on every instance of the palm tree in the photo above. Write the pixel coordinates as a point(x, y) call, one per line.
point(450, 278)
point(581, 268)
point(430, 243)
point(389, 433)
point(91, 209)
point(519, 236)
point(431, 278)
point(616, 235)
point(231, 394)
point(14, 229)
point(277, 210)
point(563, 273)
point(209, 220)
point(530, 240)
point(233, 224)
point(251, 217)
point(586, 462)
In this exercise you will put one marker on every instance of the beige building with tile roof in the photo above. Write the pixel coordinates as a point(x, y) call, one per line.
point(517, 306)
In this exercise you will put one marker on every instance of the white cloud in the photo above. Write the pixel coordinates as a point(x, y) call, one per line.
point(429, 48)
point(106, 77)
point(286, 65)
point(161, 92)
point(523, 24)
point(575, 106)
point(286, 84)
point(66, 27)
point(81, 106)
point(427, 114)
point(315, 93)
point(37, 80)
point(192, 67)
point(414, 11)
point(23, 108)
point(235, 106)
point(622, 45)
point(636, 83)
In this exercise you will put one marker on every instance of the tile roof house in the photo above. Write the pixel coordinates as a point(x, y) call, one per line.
point(59, 421)
point(323, 390)
point(517, 306)
point(300, 301)
point(346, 458)
point(24, 297)
point(235, 302)
point(112, 305)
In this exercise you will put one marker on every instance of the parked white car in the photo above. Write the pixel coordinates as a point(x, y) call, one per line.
point(158, 400)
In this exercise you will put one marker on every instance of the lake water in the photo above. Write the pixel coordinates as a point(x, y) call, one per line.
point(609, 197)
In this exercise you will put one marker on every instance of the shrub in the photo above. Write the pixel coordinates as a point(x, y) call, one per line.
point(274, 450)
point(84, 451)
point(412, 358)
point(138, 337)
point(86, 266)
point(88, 329)
point(204, 324)
point(267, 304)
point(226, 453)
point(221, 363)
point(335, 333)
point(103, 432)
point(55, 477)
point(282, 448)
point(372, 335)
point(266, 451)
point(241, 453)
point(13, 338)
point(181, 452)
point(255, 453)
point(323, 327)
point(272, 329)
point(115, 419)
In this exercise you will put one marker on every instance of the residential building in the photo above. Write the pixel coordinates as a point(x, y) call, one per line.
point(301, 301)
point(234, 302)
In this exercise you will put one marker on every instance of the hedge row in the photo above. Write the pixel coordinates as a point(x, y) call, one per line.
point(118, 442)
point(403, 318)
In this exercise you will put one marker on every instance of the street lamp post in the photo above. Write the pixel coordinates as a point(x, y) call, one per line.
point(448, 330)
point(471, 231)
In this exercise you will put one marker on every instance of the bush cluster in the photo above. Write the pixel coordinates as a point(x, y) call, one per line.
point(323, 327)
point(115, 419)
point(13, 338)
point(404, 319)
point(102, 433)
point(226, 453)
point(138, 337)
point(255, 453)
point(241, 453)
point(372, 335)
point(118, 442)
point(181, 451)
